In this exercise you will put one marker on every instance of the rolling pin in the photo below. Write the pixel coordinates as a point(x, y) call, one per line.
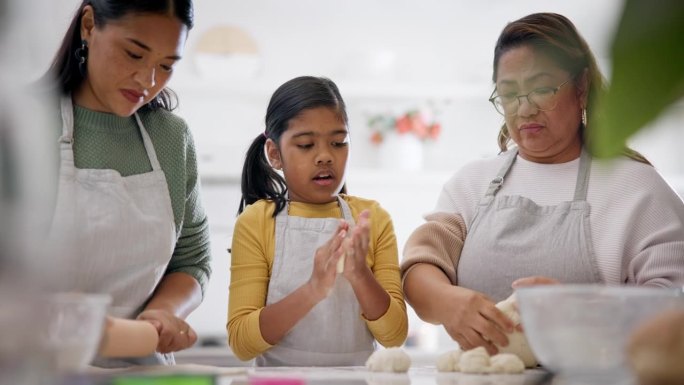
point(128, 338)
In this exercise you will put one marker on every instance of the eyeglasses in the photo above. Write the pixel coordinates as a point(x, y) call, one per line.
point(543, 98)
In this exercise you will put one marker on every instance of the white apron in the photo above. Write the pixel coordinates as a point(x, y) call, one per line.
point(117, 233)
point(333, 333)
point(512, 237)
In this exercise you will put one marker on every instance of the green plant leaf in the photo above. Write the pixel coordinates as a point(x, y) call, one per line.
point(647, 75)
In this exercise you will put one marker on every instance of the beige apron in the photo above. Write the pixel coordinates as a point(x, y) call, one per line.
point(117, 233)
point(333, 333)
point(512, 237)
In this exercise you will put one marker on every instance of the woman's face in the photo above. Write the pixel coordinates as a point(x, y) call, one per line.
point(550, 136)
point(130, 60)
point(313, 155)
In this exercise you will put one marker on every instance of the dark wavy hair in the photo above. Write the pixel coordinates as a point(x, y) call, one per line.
point(259, 179)
point(64, 68)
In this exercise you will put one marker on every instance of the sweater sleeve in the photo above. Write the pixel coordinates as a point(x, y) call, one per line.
point(438, 241)
point(249, 277)
point(192, 252)
point(391, 328)
point(655, 247)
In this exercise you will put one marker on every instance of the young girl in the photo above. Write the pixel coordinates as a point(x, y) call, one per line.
point(291, 303)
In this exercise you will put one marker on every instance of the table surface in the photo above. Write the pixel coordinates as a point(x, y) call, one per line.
point(417, 375)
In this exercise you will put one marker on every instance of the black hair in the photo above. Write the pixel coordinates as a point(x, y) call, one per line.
point(259, 179)
point(64, 68)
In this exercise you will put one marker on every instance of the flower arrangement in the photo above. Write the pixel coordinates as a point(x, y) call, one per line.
point(419, 122)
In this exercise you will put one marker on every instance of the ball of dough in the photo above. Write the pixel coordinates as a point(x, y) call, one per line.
point(389, 360)
point(448, 362)
point(506, 363)
point(517, 342)
point(474, 361)
point(656, 350)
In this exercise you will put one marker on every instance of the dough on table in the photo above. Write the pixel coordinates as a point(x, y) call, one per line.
point(389, 360)
point(506, 363)
point(449, 361)
point(517, 342)
point(474, 361)
point(478, 361)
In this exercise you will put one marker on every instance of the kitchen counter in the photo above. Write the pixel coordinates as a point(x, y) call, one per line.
point(211, 375)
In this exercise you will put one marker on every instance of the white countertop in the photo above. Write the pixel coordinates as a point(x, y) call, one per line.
point(352, 375)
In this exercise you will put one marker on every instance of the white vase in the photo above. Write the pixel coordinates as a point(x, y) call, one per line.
point(401, 152)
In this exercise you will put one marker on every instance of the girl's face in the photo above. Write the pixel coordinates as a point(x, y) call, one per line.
point(542, 136)
point(312, 153)
point(130, 60)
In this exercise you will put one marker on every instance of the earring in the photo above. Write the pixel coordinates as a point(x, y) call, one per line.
point(81, 54)
point(584, 117)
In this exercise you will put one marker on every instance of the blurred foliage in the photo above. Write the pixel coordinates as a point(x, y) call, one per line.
point(647, 75)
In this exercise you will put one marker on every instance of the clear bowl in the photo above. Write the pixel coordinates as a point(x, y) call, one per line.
point(584, 329)
point(73, 328)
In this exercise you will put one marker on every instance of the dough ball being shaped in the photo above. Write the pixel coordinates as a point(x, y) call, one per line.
point(448, 362)
point(393, 360)
point(517, 342)
point(506, 363)
point(474, 361)
point(656, 350)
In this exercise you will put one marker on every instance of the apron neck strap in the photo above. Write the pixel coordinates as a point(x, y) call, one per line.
point(496, 183)
point(583, 173)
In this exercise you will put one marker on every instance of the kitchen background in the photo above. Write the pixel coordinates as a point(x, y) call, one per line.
point(388, 57)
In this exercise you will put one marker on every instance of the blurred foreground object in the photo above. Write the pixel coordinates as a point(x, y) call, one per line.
point(25, 191)
point(656, 350)
point(647, 75)
point(74, 330)
point(582, 331)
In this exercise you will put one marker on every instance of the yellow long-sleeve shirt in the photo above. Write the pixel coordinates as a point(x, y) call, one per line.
point(252, 260)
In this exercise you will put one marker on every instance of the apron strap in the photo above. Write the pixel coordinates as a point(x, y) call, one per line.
point(583, 173)
point(67, 110)
point(496, 183)
point(149, 147)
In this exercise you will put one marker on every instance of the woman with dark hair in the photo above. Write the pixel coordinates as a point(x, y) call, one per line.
point(314, 272)
point(543, 211)
point(128, 218)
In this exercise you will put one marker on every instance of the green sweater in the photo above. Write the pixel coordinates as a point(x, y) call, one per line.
point(107, 141)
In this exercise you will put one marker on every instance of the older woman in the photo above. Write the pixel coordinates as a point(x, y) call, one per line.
point(543, 210)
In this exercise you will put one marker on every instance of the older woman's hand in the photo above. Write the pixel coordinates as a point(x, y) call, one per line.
point(174, 333)
point(473, 320)
point(534, 281)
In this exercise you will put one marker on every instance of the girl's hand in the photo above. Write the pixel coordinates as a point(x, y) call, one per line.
point(472, 320)
point(174, 333)
point(356, 248)
point(325, 263)
point(533, 281)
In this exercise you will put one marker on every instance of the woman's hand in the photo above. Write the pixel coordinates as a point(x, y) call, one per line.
point(174, 333)
point(325, 263)
point(356, 248)
point(473, 320)
point(534, 281)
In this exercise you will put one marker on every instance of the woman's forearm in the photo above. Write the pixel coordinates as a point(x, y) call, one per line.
point(424, 285)
point(177, 293)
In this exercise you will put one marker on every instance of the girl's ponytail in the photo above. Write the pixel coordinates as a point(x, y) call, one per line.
point(259, 179)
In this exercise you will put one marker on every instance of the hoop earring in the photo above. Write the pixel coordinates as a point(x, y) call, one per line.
point(584, 117)
point(81, 54)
